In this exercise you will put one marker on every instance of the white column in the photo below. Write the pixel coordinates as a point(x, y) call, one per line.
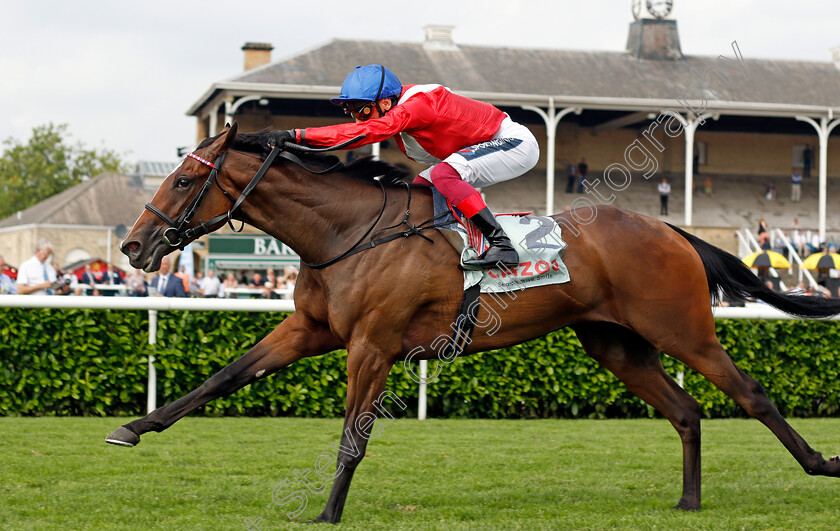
point(551, 119)
point(824, 129)
point(421, 397)
point(151, 388)
point(374, 151)
point(690, 128)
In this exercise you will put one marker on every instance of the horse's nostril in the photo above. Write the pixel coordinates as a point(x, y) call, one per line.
point(131, 246)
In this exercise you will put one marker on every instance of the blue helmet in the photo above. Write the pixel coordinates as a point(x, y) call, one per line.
point(369, 83)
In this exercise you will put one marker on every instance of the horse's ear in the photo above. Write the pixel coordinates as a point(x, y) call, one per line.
point(230, 136)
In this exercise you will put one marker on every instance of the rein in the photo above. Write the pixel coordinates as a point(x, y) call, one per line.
point(175, 235)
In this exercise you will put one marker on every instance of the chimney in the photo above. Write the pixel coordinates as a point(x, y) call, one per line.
point(654, 40)
point(439, 38)
point(257, 54)
point(835, 56)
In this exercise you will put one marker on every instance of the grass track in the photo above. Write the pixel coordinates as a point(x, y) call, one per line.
point(212, 473)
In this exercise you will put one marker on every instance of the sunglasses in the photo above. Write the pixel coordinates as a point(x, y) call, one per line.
point(361, 112)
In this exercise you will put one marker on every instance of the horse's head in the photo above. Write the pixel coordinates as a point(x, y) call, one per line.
point(190, 197)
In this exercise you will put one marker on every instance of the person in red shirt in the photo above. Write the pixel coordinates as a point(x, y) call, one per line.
point(467, 143)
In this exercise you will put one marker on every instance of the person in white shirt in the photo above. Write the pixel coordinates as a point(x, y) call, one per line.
point(211, 285)
point(35, 276)
point(664, 191)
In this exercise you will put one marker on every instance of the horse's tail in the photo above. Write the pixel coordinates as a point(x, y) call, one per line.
point(728, 275)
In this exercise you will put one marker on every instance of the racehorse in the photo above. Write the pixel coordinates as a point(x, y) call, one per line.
point(638, 286)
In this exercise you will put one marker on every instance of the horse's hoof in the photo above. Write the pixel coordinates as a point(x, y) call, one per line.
point(122, 436)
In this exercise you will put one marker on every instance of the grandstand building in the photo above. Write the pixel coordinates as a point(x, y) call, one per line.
point(636, 115)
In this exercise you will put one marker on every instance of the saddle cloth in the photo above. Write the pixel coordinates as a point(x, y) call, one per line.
point(537, 239)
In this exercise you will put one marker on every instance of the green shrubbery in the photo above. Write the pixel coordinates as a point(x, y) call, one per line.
point(94, 362)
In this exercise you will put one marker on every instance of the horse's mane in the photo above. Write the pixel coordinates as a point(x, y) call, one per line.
point(365, 168)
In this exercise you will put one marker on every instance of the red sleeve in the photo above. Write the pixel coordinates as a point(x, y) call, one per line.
point(416, 113)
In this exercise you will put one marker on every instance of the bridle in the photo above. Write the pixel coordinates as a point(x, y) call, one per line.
point(175, 235)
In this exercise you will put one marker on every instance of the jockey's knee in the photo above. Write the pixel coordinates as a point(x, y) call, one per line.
point(443, 171)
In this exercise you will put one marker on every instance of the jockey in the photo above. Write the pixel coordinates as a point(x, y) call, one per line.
point(467, 143)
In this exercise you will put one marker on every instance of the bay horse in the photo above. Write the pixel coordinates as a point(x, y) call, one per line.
point(638, 286)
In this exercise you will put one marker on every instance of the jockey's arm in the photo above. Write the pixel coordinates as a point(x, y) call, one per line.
point(405, 117)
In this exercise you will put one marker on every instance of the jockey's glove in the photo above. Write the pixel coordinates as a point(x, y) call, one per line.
point(279, 138)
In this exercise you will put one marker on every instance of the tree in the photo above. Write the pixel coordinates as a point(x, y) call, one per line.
point(47, 165)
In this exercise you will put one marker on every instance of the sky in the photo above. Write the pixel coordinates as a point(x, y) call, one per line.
point(122, 75)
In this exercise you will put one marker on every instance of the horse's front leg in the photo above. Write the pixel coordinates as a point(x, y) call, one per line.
point(296, 337)
point(367, 371)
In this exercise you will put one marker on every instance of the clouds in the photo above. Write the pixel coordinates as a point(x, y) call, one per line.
point(124, 73)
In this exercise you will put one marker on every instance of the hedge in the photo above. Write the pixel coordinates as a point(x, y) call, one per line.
point(94, 362)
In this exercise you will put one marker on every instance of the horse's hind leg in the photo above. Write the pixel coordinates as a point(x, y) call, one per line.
point(711, 360)
point(636, 363)
point(295, 338)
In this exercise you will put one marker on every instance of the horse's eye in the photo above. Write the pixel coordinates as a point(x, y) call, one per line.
point(183, 182)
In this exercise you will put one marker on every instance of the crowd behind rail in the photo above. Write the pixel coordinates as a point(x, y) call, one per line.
point(40, 276)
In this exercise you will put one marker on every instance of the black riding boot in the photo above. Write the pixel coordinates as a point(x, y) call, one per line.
point(501, 249)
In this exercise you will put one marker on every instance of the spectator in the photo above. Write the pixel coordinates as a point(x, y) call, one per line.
point(797, 238)
point(185, 278)
point(256, 282)
point(35, 277)
point(136, 283)
point(110, 277)
point(799, 289)
point(195, 285)
point(287, 281)
point(210, 285)
point(780, 247)
point(166, 283)
point(664, 191)
point(63, 282)
point(571, 176)
point(815, 245)
point(89, 279)
point(270, 285)
point(243, 279)
point(763, 234)
point(7, 286)
point(795, 186)
point(807, 160)
point(583, 173)
point(770, 192)
point(707, 186)
point(230, 282)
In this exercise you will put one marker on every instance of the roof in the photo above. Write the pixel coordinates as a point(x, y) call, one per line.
point(149, 168)
point(109, 199)
point(551, 73)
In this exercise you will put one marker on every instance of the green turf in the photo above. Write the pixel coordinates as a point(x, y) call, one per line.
point(212, 473)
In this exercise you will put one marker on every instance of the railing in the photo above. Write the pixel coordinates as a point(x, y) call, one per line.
point(232, 293)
